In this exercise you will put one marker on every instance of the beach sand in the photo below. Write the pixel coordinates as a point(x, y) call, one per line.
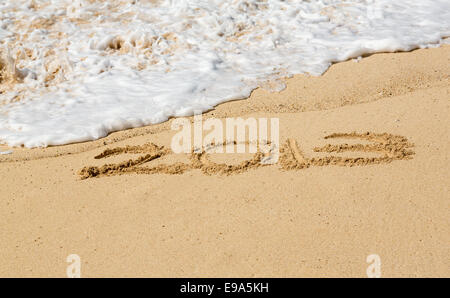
point(280, 220)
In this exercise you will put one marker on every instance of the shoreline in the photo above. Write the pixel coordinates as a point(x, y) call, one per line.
point(323, 87)
point(283, 220)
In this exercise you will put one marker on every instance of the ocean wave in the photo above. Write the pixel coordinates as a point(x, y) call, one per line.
point(73, 71)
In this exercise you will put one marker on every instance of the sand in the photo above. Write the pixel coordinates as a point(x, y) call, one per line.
point(364, 169)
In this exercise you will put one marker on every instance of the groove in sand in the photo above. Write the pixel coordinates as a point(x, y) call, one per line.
point(391, 147)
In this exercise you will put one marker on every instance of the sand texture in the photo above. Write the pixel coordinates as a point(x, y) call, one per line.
point(363, 169)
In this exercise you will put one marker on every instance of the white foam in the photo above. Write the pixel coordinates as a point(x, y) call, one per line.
point(93, 67)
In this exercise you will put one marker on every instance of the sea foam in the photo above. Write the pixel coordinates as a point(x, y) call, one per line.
point(85, 68)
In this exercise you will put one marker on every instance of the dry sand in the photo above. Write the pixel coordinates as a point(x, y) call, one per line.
point(309, 215)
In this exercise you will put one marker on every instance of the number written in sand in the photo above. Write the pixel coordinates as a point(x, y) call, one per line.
point(387, 146)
